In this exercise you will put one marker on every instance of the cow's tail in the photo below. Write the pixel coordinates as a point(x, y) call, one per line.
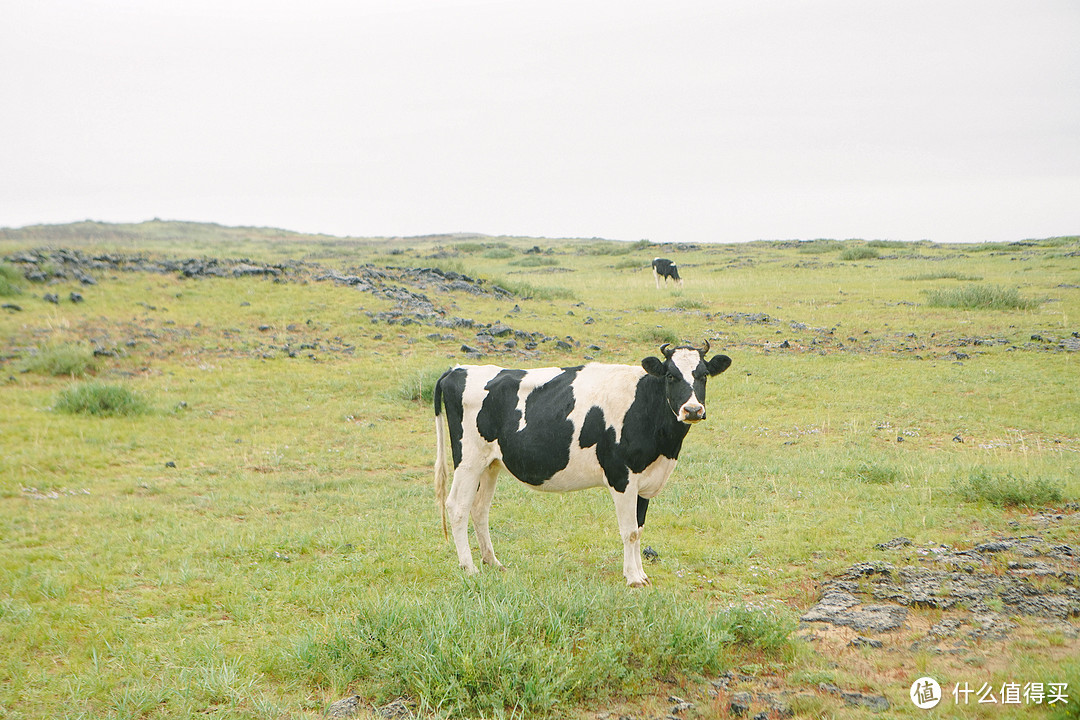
point(440, 454)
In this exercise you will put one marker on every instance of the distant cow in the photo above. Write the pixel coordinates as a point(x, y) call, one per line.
point(664, 268)
point(559, 429)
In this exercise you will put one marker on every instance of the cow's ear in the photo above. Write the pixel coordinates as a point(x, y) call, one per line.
point(718, 364)
point(654, 366)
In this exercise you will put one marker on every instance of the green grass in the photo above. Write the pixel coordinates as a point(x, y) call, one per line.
point(71, 359)
point(11, 280)
point(819, 247)
point(535, 261)
point(100, 400)
point(943, 275)
point(980, 297)
point(495, 645)
point(690, 303)
point(419, 386)
point(530, 291)
point(860, 252)
point(875, 474)
point(273, 544)
point(1003, 489)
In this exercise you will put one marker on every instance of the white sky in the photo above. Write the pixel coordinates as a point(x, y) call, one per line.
point(670, 120)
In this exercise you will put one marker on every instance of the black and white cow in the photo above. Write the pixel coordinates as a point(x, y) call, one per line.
point(664, 268)
point(559, 429)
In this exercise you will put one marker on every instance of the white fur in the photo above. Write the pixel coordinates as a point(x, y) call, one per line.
point(686, 361)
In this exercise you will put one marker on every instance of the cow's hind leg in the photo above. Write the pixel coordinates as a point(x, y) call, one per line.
point(459, 502)
point(480, 508)
point(626, 510)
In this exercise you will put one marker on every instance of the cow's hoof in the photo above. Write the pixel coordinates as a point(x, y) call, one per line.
point(639, 583)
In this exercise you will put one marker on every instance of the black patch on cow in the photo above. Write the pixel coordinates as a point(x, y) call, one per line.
point(718, 364)
point(542, 447)
point(595, 431)
point(650, 428)
point(642, 509)
point(665, 268)
point(650, 431)
point(449, 391)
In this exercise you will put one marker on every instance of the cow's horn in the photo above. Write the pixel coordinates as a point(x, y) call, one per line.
point(705, 348)
point(665, 351)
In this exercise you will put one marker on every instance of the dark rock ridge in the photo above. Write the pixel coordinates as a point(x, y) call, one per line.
point(410, 289)
point(44, 264)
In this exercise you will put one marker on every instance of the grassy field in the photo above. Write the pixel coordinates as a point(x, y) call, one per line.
point(216, 491)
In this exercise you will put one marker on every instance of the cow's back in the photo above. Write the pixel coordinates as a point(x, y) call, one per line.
point(552, 428)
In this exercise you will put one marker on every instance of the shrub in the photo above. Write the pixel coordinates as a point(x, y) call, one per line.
point(533, 292)
point(1008, 490)
point(535, 261)
point(819, 247)
point(944, 275)
point(859, 252)
point(980, 297)
point(874, 474)
point(420, 386)
point(499, 254)
point(492, 648)
point(101, 400)
point(11, 280)
point(689, 304)
point(659, 336)
point(61, 359)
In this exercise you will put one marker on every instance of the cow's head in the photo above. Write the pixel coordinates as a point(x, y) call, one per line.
point(684, 371)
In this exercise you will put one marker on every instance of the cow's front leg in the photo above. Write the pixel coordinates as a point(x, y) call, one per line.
point(626, 510)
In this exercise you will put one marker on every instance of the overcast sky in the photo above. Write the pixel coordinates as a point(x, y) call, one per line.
point(676, 121)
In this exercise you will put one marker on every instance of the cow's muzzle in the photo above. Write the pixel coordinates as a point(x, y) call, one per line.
point(691, 413)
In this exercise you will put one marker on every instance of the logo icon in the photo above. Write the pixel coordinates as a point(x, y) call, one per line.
point(925, 693)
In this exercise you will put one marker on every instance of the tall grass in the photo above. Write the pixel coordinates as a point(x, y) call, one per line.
point(419, 386)
point(860, 252)
point(529, 291)
point(819, 247)
point(101, 400)
point(535, 261)
point(494, 645)
point(61, 359)
point(980, 297)
point(944, 275)
point(11, 280)
point(1007, 490)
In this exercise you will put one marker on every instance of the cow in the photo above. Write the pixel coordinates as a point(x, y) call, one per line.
point(561, 429)
point(664, 268)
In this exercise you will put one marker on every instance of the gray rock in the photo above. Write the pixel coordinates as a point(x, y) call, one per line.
point(860, 641)
point(838, 607)
point(876, 703)
point(740, 703)
point(349, 707)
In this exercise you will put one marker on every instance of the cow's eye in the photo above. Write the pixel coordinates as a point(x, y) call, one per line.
point(670, 379)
